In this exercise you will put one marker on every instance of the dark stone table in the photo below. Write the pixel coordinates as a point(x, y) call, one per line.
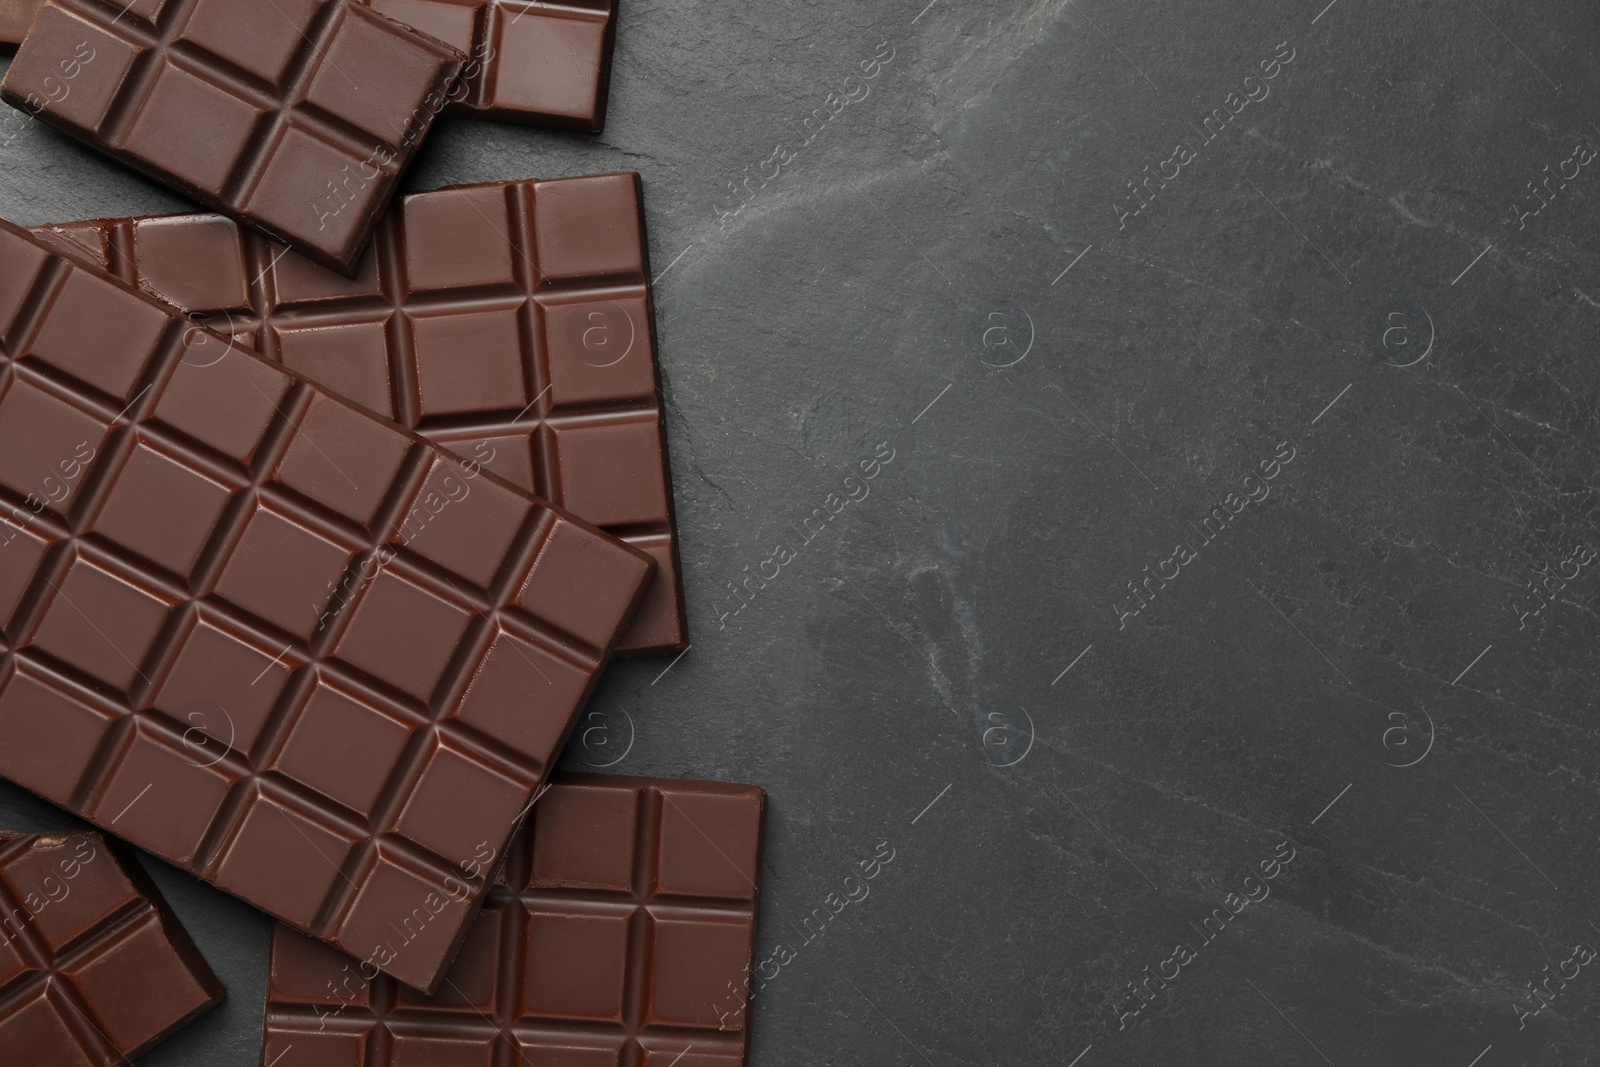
point(1214, 643)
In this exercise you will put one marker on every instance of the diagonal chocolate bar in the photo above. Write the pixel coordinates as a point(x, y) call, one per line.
point(95, 969)
point(510, 322)
point(621, 936)
point(296, 117)
point(287, 646)
point(536, 62)
point(532, 61)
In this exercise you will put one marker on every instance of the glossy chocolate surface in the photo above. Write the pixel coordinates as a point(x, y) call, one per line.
point(620, 936)
point(540, 63)
point(287, 646)
point(94, 967)
point(294, 116)
point(508, 322)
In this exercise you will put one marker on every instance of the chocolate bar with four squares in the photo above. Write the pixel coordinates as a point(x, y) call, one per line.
point(621, 935)
point(95, 969)
point(282, 644)
point(510, 322)
point(296, 117)
point(536, 62)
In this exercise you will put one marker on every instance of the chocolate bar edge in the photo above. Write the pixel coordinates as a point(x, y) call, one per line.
point(684, 640)
point(177, 934)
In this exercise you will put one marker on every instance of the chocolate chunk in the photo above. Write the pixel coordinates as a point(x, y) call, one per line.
point(287, 646)
point(621, 934)
point(296, 117)
point(507, 322)
point(544, 64)
point(95, 969)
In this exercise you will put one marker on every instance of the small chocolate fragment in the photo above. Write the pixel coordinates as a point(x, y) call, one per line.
point(509, 322)
point(528, 61)
point(296, 117)
point(620, 936)
point(284, 645)
point(95, 969)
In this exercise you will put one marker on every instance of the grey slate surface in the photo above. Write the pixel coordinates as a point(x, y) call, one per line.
point(1349, 669)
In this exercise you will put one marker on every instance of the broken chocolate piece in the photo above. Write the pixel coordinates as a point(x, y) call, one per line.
point(528, 61)
point(95, 969)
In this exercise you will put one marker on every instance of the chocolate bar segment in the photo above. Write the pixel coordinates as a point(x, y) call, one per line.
point(16, 16)
point(95, 969)
point(508, 322)
point(528, 61)
point(296, 117)
point(287, 646)
point(620, 936)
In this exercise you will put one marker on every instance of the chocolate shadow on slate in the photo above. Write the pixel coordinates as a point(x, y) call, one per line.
point(282, 644)
point(296, 117)
point(543, 64)
point(620, 936)
point(94, 967)
point(509, 322)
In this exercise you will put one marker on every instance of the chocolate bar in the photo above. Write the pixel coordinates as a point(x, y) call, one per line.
point(296, 117)
point(528, 61)
point(509, 322)
point(95, 969)
point(278, 642)
point(620, 936)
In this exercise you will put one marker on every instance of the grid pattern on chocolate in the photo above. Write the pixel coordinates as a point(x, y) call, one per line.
point(297, 116)
point(93, 968)
point(534, 62)
point(476, 321)
point(254, 630)
point(620, 936)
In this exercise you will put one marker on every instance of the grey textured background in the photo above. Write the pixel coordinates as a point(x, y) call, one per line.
point(1352, 640)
